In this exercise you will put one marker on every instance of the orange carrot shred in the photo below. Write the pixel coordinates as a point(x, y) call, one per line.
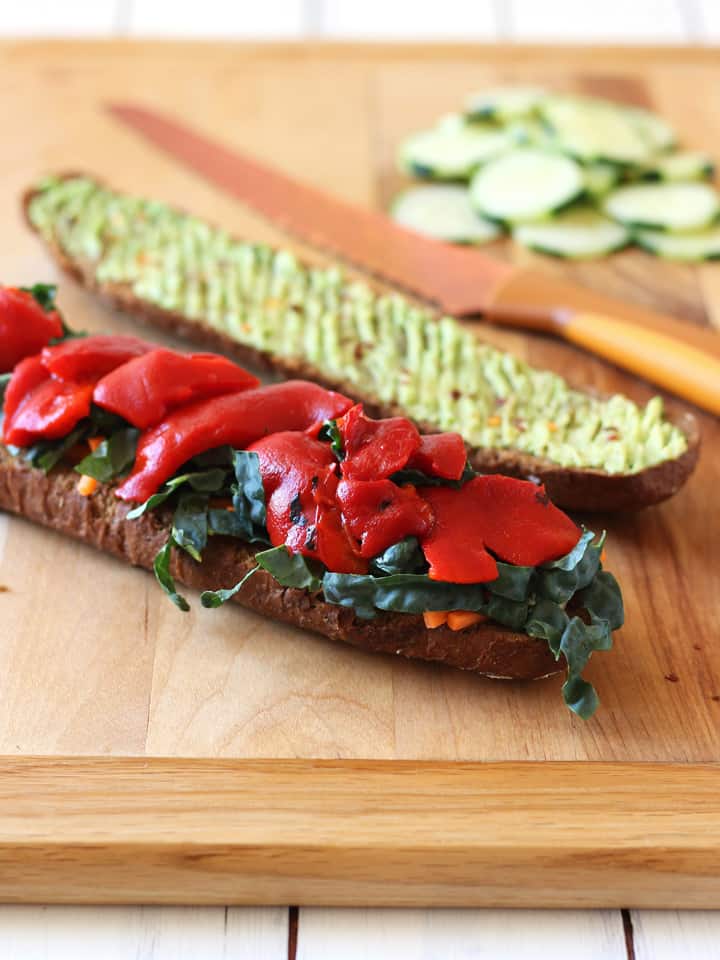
point(459, 619)
point(87, 485)
point(434, 618)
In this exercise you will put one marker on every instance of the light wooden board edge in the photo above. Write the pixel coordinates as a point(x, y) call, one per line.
point(359, 833)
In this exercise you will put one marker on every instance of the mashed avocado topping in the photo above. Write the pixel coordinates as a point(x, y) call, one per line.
point(382, 345)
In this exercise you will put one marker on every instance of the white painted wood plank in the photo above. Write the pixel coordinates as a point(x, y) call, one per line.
point(598, 20)
point(669, 934)
point(708, 14)
point(217, 18)
point(53, 18)
point(460, 934)
point(378, 19)
point(150, 933)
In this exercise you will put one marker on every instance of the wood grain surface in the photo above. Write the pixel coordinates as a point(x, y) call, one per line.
point(92, 657)
point(93, 660)
point(119, 830)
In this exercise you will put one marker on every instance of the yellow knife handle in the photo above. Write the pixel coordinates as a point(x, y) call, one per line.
point(671, 363)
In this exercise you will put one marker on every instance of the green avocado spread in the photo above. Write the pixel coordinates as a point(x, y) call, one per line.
point(383, 346)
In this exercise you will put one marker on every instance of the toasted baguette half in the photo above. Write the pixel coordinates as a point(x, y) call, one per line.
point(574, 488)
point(101, 521)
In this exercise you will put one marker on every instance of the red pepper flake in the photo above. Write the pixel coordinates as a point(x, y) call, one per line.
point(672, 677)
point(4, 589)
point(456, 394)
point(716, 697)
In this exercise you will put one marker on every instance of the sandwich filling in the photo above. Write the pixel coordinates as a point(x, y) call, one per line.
point(363, 513)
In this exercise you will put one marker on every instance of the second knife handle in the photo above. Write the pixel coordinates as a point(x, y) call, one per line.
point(667, 361)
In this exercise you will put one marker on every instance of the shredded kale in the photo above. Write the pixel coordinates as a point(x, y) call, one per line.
point(216, 598)
point(419, 479)
point(113, 458)
point(161, 567)
point(292, 569)
point(403, 557)
point(330, 433)
point(44, 294)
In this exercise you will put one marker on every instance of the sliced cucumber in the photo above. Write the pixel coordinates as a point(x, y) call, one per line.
point(577, 234)
point(595, 130)
point(656, 132)
point(451, 151)
point(443, 211)
point(688, 247)
point(600, 177)
point(683, 166)
point(664, 206)
point(504, 103)
point(525, 184)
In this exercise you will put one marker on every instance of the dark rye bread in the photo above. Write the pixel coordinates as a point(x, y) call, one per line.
point(100, 520)
point(584, 489)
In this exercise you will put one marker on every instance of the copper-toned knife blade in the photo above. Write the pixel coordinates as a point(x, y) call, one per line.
point(460, 281)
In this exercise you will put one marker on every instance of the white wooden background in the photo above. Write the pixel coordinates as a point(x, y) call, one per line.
point(656, 21)
point(162, 933)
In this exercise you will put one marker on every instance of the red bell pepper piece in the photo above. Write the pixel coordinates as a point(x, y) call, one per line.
point(440, 455)
point(375, 449)
point(37, 407)
point(146, 388)
point(236, 419)
point(300, 481)
point(25, 328)
point(512, 518)
point(379, 513)
point(91, 358)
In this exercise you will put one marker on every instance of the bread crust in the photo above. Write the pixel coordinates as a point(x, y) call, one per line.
point(101, 521)
point(569, 487)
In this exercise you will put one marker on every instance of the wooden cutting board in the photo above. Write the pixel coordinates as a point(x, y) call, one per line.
point(94, 660)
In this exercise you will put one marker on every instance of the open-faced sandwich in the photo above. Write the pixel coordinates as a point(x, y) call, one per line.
point(290, 500)
point(263, 306)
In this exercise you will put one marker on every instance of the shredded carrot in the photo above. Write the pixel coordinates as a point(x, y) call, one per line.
point(552, 426)
point(603, 556)
point(94, 442)
point(459, 619)
point(87, 485)
point(494, 421)
point(221, 503)
point(434, 618)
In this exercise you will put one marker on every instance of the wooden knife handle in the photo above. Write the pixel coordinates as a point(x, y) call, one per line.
point(671, 363)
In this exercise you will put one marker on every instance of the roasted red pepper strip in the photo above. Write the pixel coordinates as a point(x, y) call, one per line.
point(146, 388)
point(300, 481)
point(238, 420)
point(91, 358)
point(512, 518)
point(378, 513)
point(375, 449)
point(25, 328)
point(440, 455)
point(38, 407)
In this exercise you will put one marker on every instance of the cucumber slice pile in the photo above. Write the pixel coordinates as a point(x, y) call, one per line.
point(665, 206)
point(443, 211)
point(526, 184)
point(452, 151)
point(572, 176)
point(578, 234)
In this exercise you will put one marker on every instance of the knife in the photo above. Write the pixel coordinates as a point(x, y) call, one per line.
point(464, 282)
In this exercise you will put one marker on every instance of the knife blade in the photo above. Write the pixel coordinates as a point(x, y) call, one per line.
point(461, 281)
